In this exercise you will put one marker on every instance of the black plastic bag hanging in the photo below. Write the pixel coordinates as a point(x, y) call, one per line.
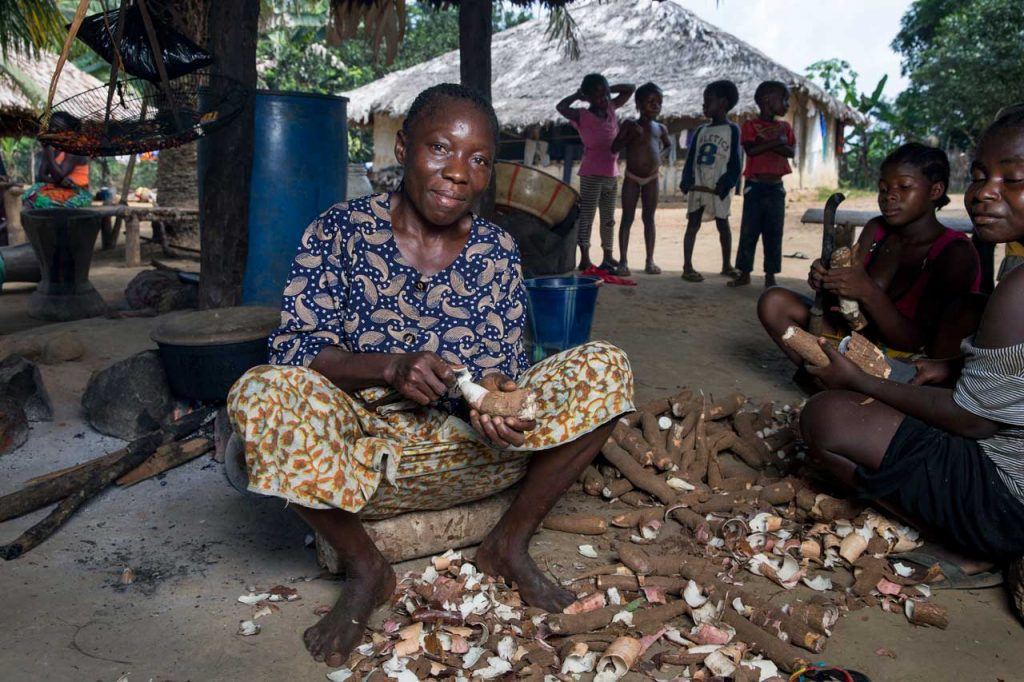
point(181, 56)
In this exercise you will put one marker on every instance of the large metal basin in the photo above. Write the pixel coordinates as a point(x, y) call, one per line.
point(532, 191)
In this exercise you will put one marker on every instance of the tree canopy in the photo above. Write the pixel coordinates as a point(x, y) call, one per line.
point(964, 61)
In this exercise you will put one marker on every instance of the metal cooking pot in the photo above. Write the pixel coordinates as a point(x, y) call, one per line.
point(204, 352)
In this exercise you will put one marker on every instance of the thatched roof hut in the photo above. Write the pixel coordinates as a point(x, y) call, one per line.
point(24, 83)
point(626, 40)
point(632, 40)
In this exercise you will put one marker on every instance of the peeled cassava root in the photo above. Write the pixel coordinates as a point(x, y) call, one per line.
point(520, 403)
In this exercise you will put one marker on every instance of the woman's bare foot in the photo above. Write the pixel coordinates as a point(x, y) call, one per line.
point(651, 268)
point(585, 264)
point(516, 566)
point(623, 269)
point(332, 639)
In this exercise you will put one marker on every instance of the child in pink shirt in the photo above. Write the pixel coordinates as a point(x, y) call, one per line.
point(598, 127)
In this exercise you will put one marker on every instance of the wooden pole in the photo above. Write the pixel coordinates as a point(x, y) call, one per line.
point(475, 45)
point(475, 28)
point(233, 28)
point(132, 242)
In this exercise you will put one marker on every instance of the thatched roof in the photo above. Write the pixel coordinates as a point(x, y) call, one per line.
point(24, 83)
point(626, 40)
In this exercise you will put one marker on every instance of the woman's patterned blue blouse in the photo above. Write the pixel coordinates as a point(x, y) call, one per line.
point(351, 287)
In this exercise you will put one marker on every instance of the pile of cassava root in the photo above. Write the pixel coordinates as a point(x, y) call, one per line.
point(703, 498)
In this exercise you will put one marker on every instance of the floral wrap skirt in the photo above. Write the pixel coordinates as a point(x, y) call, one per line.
point(44, 195)
point(313, 444)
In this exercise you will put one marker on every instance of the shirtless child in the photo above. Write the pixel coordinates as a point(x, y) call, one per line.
point(645, 142)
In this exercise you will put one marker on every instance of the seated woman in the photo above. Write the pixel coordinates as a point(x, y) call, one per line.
point(914, 278)
point(391, 291)
point(950, 458)
point(62, 180)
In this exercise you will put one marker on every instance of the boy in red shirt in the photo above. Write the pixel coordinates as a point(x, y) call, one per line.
point(769, 145)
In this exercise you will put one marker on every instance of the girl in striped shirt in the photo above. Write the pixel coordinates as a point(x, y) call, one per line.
point(947, 450)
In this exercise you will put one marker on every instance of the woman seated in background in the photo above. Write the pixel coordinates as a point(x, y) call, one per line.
point(912, 277)
point(62, 179)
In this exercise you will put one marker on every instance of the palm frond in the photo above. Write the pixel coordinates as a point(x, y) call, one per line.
point(564, 29)
point(376, 21)
point(29, 24)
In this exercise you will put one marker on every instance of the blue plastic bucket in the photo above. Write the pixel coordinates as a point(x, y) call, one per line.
point(561, 311)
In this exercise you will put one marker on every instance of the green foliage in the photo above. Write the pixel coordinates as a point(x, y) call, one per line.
point(918, 28)
point(18, 157)
point(29, 24)
point(964, 63)
point(292, 53)
point(865, 145)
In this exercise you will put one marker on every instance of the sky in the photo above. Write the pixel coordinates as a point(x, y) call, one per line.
point(797, 33)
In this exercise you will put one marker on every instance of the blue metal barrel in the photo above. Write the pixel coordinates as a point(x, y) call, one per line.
point(300, 163)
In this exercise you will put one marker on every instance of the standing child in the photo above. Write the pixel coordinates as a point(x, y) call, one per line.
point(769, 144)
point(645, 142)
point(711, 173)
point(598, 127)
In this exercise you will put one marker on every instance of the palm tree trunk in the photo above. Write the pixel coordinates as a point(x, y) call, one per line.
point(176, 183)
point(475, 28)
point(176, 186)
point(233, 27)
point(475, 45)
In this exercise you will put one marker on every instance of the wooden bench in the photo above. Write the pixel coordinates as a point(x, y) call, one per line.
point(861, 218)
point(133, 217)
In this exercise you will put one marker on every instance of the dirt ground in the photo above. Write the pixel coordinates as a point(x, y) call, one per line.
point(196, 545)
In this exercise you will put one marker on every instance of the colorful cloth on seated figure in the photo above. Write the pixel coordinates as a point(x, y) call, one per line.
point(45, 195)
point(313, 444)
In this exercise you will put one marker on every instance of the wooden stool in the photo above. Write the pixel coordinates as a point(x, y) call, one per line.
point(425, 533)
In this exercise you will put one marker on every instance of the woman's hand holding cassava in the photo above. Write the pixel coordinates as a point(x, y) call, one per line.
point(501, 431)
point(816, 277)
point(421, 377)
point(853, 283)
point(840, 373)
